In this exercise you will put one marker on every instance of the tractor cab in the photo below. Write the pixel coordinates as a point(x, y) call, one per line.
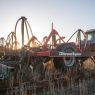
point(91, 35)
point(90, 39)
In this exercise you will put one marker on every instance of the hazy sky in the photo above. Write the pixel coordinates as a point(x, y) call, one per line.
point(67, 15)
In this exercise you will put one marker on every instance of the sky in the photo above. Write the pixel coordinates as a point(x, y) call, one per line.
point(66, 15)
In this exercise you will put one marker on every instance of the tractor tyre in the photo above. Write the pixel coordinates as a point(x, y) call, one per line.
point(67, 48)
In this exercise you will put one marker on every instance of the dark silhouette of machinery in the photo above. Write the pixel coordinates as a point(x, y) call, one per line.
point(11, 42)
point(26, 28)
point(31, 56)
point(2, 41)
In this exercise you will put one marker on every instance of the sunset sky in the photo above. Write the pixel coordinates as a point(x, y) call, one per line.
point(67, 15)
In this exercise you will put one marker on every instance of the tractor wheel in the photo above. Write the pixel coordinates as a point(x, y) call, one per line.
point(67, 48)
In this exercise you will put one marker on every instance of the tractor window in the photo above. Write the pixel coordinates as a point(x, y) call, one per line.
point(90, 36)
